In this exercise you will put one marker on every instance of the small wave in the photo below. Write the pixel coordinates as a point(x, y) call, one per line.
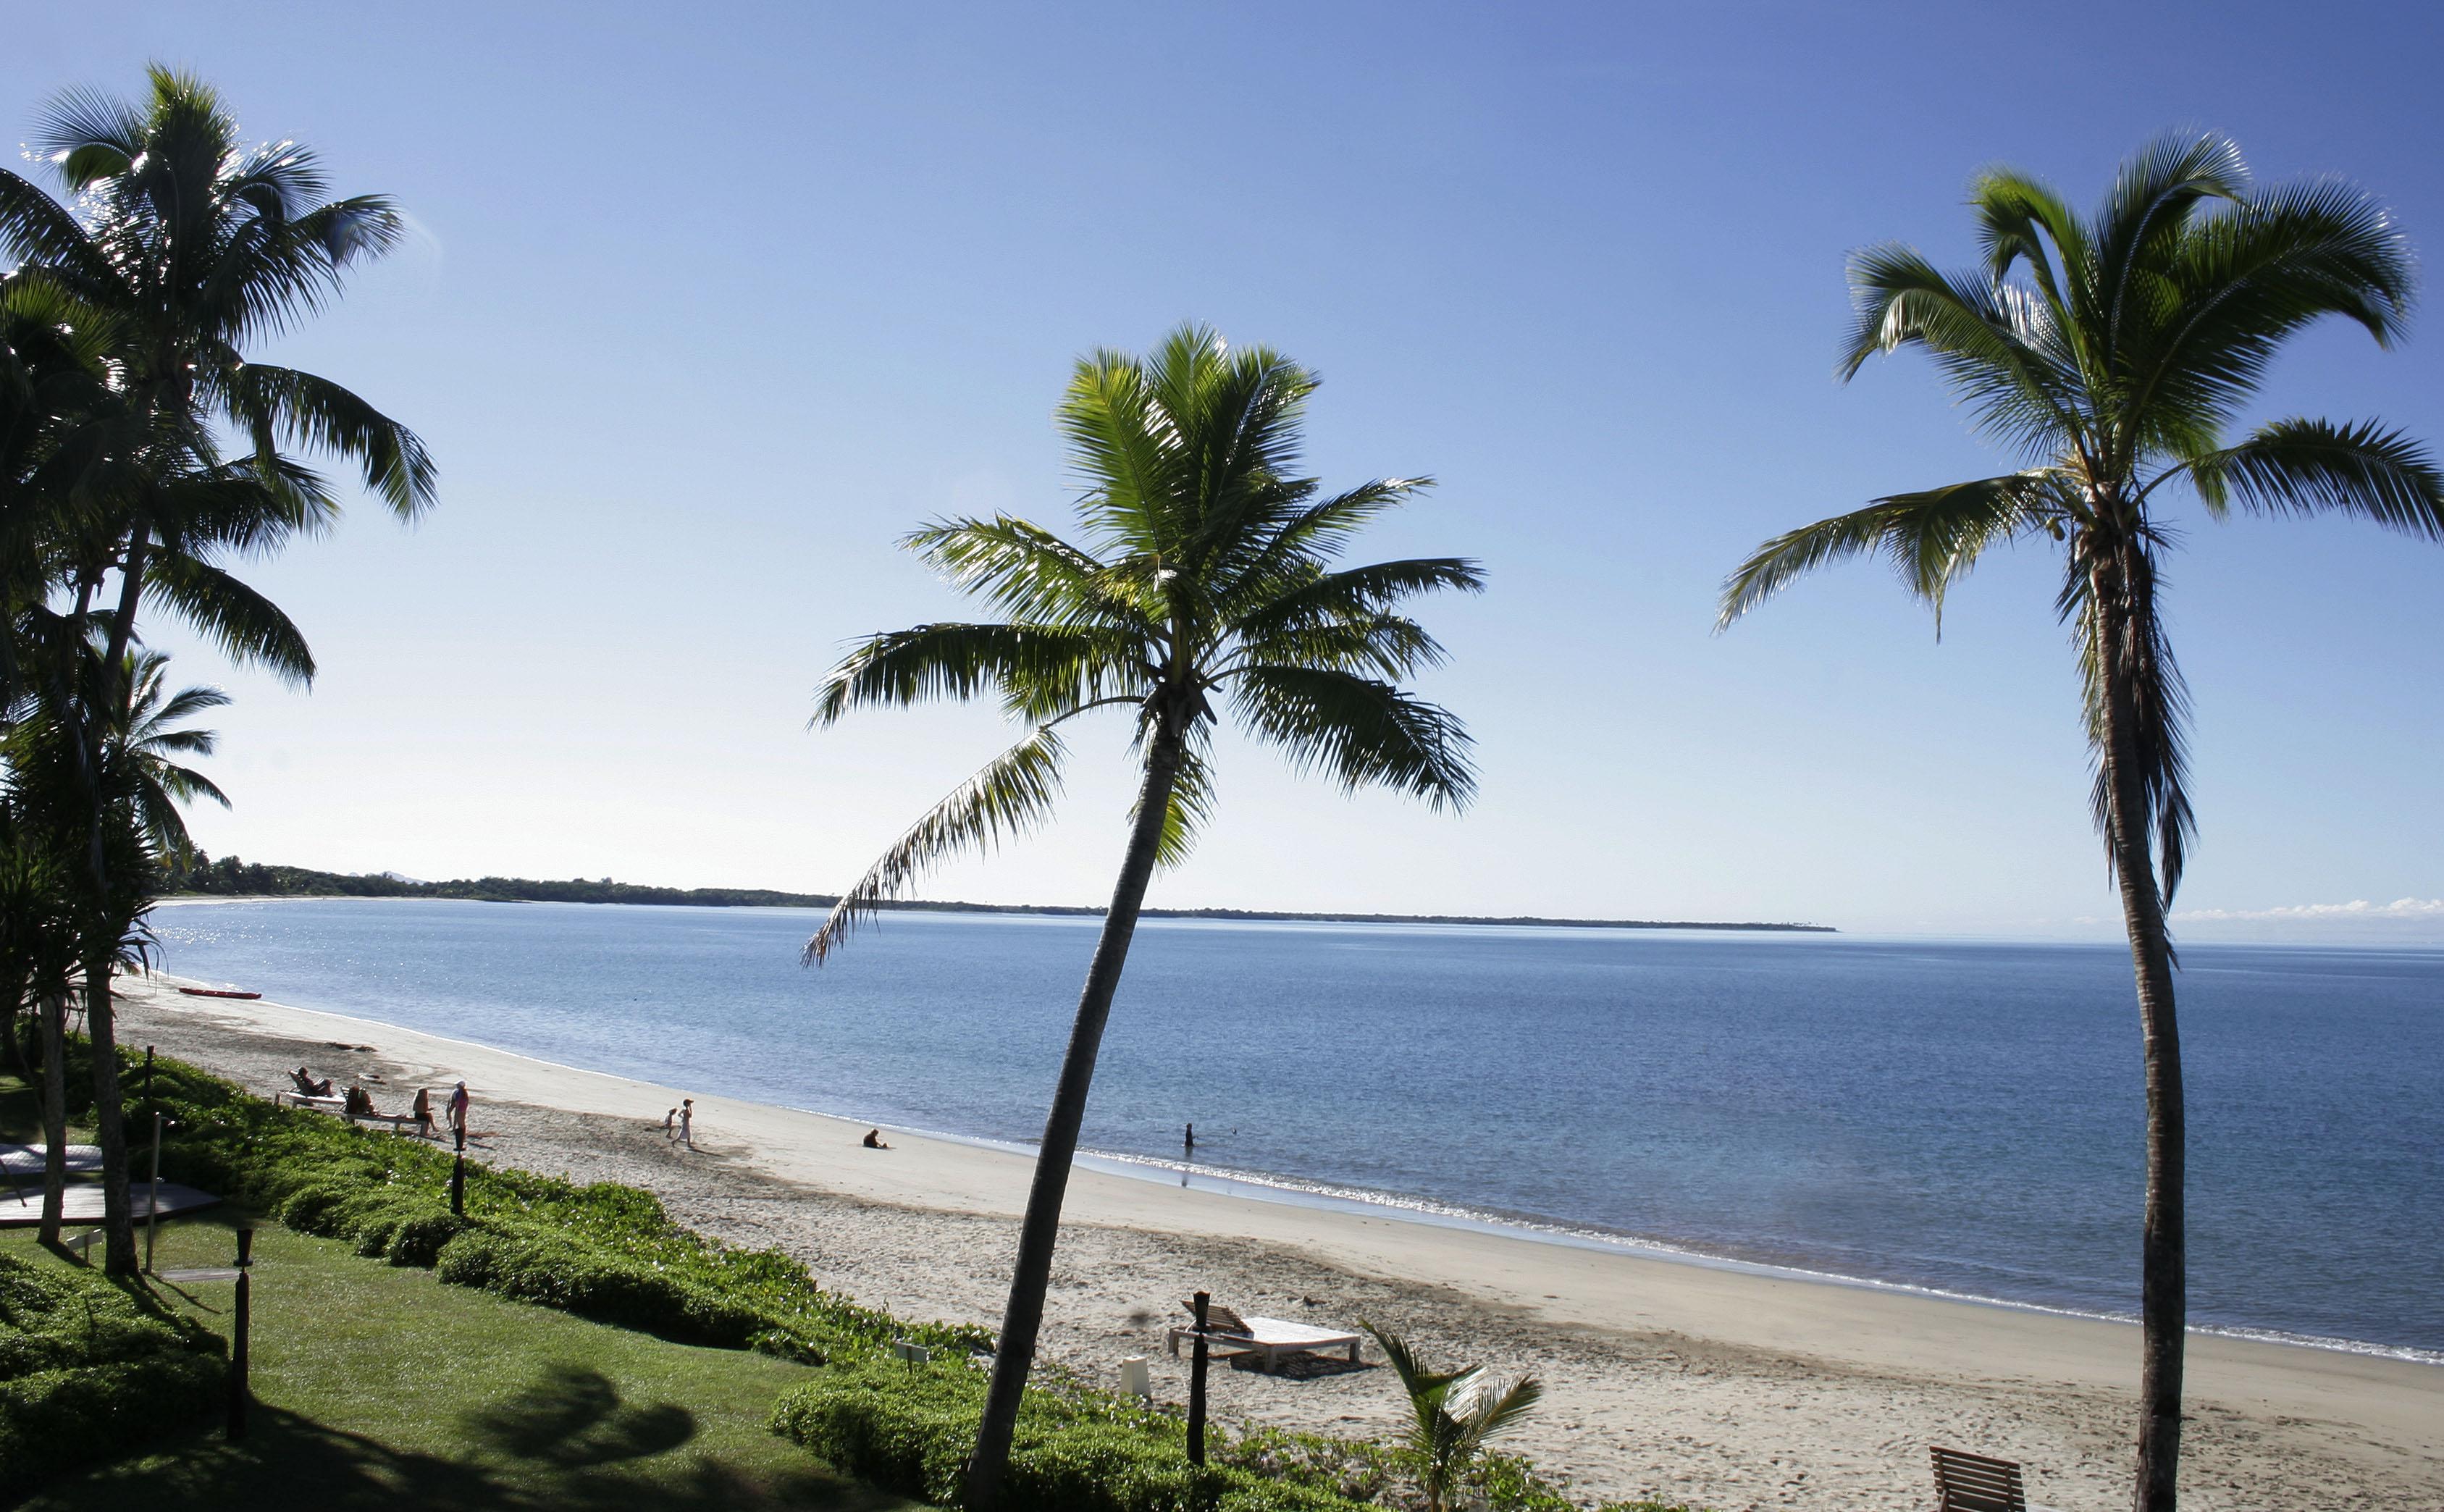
point(1422, 1209)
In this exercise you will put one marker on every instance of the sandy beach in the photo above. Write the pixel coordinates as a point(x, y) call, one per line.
point(1719, 1387)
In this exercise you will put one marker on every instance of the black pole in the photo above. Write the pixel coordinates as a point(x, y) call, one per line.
point(237, 1338)
point(458, 1177)
point(148, 1080)
point(1196, 1386)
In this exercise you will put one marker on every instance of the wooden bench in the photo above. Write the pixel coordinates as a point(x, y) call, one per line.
point(83, 1244)
point(399, 1122)
point(1972, 1482)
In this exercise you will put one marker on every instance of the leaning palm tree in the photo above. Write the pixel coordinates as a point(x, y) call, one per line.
point(1205, 574)
point(1453, 1414)
point(2115, 353)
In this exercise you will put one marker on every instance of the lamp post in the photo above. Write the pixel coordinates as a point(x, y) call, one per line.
point(1196, 1386)
point(237, 1390)
point(459, 1176)
point(153, 1197)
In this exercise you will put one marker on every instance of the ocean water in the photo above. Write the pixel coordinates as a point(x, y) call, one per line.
point(1957, 1117)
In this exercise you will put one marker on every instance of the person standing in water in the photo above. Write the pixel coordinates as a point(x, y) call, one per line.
point(1190, 1143)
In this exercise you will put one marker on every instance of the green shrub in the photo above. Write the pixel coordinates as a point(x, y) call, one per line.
point(89, 1366)
point(608, 1251)
point(1074, 1451)
point(419, 1236)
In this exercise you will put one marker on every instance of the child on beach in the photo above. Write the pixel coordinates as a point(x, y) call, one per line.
point(671, 1125)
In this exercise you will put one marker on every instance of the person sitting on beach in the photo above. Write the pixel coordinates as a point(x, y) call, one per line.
point(306, 1084)
point(359, 1100)
point(872, 1140)
point(423, 1111)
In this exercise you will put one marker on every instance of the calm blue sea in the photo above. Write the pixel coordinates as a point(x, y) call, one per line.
point(1964, 1117)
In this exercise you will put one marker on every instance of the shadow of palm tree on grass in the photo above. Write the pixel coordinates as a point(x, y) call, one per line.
point(557, 1436)
point(573, 1417)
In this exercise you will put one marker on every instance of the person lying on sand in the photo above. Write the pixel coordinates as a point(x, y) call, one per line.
point(872, 1140)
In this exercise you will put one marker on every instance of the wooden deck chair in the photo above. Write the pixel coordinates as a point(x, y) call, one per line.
point(1972, 1482)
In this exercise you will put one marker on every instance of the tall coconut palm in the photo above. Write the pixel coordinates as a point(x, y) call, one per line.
point(1205, 574)
point(191, 245)
point(197, 245)
point(2115, 354)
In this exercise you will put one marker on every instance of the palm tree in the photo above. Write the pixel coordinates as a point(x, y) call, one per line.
point(1205, 571)
point(196, 245)
point(186, 246)
point(1454, 1414)
point(149, 739)
point(2115, 354)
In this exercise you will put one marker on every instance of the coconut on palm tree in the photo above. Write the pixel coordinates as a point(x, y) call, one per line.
point(2115, 355)
point(1203, 579)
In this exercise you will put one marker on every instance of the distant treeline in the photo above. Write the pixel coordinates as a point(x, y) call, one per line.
point(231, 878)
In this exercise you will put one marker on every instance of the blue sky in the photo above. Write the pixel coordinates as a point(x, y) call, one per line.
point(706, 305)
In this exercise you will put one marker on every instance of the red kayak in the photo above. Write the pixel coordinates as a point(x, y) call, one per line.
point(217, 992)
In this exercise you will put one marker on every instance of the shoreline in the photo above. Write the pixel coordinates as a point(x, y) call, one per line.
point(1832, 1390)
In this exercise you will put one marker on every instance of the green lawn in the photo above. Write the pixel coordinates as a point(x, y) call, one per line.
point(377, 1388)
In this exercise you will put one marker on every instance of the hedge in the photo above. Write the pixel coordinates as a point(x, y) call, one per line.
point(602, 1250)
point(911, 1431)
point(89, 1365)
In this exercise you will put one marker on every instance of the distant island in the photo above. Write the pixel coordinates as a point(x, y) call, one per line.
point(228, 876)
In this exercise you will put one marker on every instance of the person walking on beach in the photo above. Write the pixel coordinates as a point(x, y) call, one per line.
point(457, 1109)
point(687, 1122)
point(671, 1125)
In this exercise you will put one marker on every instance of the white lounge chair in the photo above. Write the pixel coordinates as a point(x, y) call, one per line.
point(1268, 1338)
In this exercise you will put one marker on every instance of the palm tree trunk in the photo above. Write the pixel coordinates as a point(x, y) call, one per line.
point(110, 1129)
point(1040, 1229)
point(55, 1116)
point(2163, 1305)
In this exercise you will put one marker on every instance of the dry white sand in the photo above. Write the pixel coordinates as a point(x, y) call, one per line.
point(1719, 1387)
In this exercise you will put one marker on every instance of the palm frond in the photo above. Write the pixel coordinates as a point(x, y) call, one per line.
point(247, 626)
point(2303, 466)
point(1013, 792)
point(1361, 732)
point(1038, 672)
point(1932, 539)
point(276, 402)
point(1027, 572)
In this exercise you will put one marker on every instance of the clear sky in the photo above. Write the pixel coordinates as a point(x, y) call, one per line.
point(707, 304)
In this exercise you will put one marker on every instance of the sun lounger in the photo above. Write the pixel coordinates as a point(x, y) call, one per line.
point(1972, 1482)
point(1268, 1338)
point(303, 1100)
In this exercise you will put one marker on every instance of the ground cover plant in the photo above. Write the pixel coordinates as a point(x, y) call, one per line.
point(375, 1389)
point(89, 1366)
point(1079, 1450)
point(375, 1206)
point(603, 1252)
